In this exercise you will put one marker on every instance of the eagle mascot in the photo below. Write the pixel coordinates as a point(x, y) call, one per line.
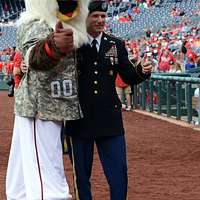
point(48, 36)
point(49, 88)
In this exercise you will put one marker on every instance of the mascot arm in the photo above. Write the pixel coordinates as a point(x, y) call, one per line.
point(35, 42)
point(45, 55)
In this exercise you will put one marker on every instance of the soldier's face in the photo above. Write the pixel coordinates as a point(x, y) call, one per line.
point(95, 22)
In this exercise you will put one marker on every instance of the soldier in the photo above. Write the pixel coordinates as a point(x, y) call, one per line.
point(48, 34)
point(99, 61)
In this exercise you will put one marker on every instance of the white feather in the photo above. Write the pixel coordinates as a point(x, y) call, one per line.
point(45, 10)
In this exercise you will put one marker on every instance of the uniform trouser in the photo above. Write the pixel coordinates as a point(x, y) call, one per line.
point(112, 153)
point(35, 166)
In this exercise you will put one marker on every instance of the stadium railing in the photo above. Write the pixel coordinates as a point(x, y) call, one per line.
point(174, 95)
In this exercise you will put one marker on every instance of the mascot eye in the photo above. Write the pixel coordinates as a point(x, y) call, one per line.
point(68, 9)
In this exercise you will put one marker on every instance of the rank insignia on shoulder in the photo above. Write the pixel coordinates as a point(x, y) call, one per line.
point(105, 38)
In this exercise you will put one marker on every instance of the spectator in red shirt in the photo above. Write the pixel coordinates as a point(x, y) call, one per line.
point(17, 70)
point(191, 54)
point(166, 60)
point(123, 89)
point(9, 68)
point(136, 10)
point(1, 66)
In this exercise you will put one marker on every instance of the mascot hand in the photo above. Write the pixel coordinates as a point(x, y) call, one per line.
point(63, 38)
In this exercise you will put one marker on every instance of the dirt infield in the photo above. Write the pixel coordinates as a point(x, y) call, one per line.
point(163, 158)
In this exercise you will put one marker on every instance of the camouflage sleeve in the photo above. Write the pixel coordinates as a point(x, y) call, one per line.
point(38, 58)
point(31, 39)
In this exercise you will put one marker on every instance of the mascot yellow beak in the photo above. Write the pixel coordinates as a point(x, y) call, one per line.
point(68, 9)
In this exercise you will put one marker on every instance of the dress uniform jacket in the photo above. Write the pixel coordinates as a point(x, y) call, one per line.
point(97, 94)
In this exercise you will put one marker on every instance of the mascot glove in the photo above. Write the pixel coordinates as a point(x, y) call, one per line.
point(63, 40)
point(58, 51)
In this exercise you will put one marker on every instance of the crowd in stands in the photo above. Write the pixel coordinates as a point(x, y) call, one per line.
point(6, 61)
point(145, 3)
point(126, 13)
point(172, 50)
point(129, 20)
point(10, 10)
point(129, 7)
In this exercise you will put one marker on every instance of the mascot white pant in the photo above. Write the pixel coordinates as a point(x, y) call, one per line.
point(36, 162)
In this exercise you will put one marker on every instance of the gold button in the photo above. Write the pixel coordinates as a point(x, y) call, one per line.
point(96, 92)
point(96, 72)
point(95, 63)
point(95, 82)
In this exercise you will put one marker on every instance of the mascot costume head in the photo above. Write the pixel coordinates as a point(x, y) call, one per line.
point(72, 14)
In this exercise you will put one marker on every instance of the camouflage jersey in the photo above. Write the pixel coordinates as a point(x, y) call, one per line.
point(49, 94)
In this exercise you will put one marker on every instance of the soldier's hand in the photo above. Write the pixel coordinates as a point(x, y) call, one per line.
point(146, 66)
point(63, 38)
